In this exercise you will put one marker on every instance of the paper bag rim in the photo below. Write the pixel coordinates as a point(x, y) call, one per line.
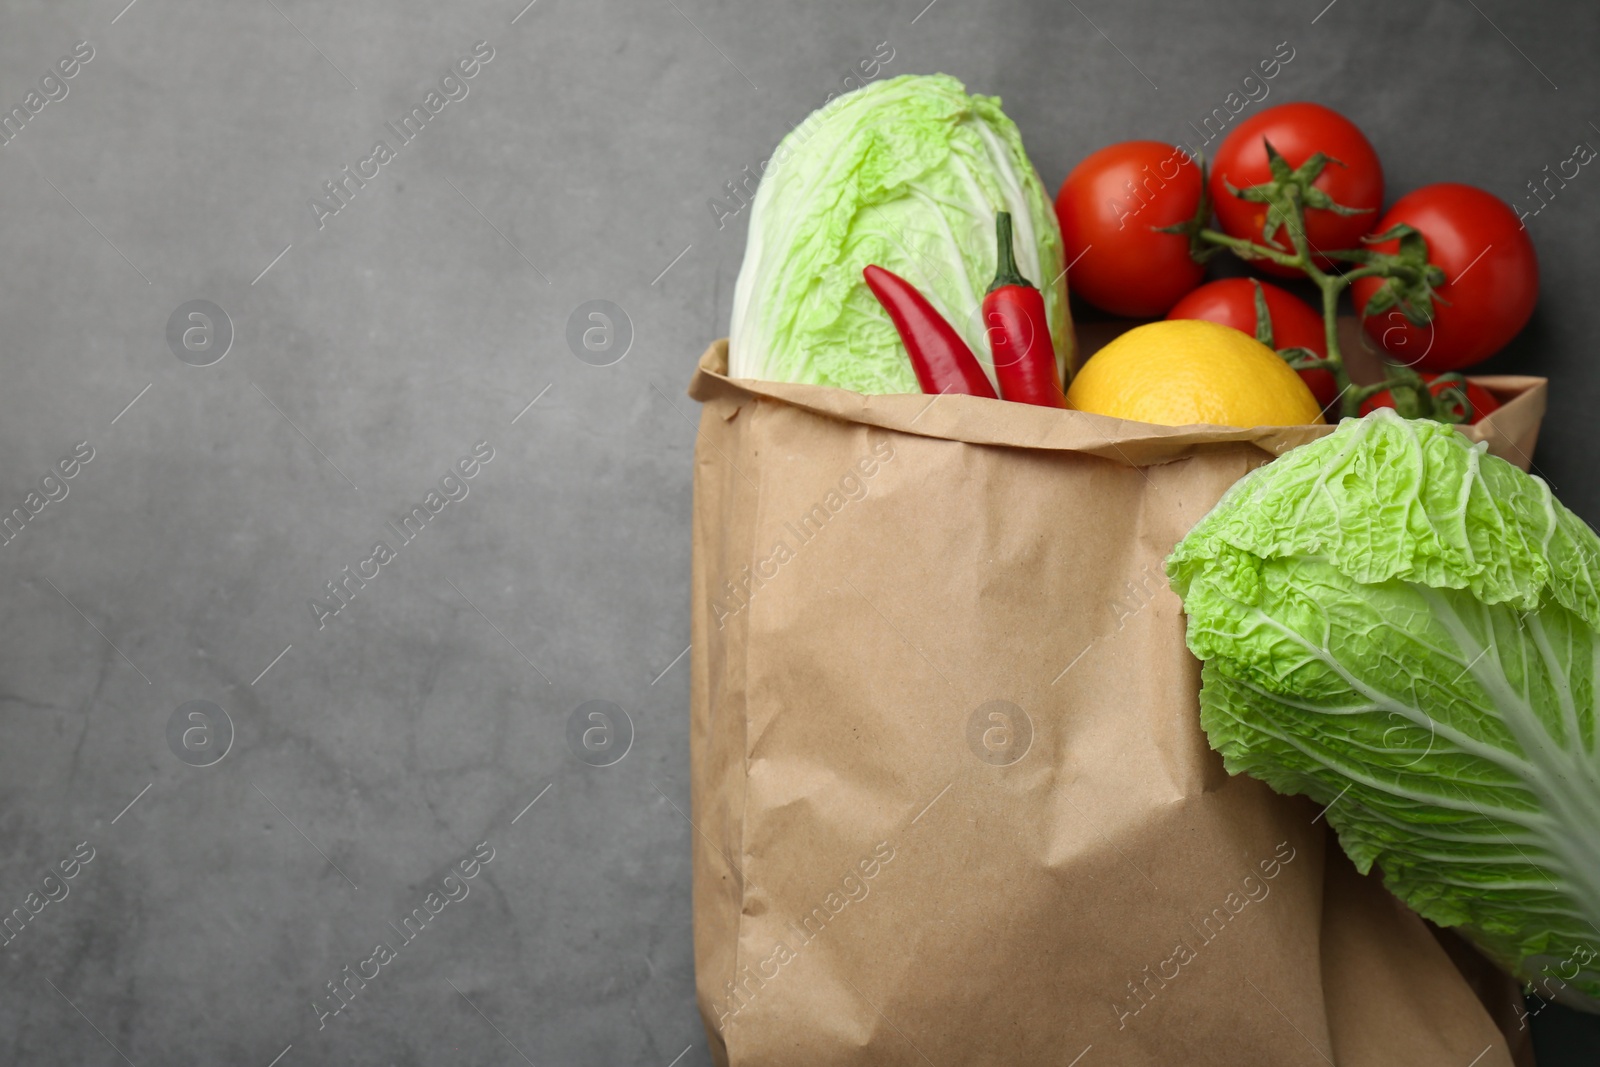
point(1511, 430)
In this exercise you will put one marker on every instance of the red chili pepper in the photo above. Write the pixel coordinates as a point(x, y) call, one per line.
point(1019, 331)
point(939, 355)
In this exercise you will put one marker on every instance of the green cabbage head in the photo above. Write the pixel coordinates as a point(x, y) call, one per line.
point(1407, 630)
point(907, 173)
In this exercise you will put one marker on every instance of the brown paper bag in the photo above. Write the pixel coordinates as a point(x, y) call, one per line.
point(951, 798)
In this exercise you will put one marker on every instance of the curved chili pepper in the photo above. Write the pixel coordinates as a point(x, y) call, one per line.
point(939, 355)
point(1019, 331)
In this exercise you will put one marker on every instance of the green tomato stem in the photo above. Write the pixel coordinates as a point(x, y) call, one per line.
point(1248, 249)
point(1285, 198)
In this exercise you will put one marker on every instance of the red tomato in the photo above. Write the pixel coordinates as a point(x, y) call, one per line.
point(1232, 302)
point(1491, 272)
point(1109, 206)
point(1298, 131)
point(1481, 399)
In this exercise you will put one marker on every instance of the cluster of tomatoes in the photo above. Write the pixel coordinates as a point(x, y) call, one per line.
point(1124, 211)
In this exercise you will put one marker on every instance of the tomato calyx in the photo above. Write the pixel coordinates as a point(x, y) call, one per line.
point(1290, 192)
point(1410, 281)
point(1442, 397)
point(1451, 404)
point(1200, 250)
point(1263, 316)
point(1298, 357)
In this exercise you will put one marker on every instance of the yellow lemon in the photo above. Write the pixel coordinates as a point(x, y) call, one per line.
point(1186, 371)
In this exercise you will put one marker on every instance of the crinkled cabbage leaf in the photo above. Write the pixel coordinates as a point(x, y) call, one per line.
point(1404, 628)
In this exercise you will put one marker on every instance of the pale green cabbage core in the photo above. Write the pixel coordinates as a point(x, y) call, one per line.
point(908, 174)
point(1401, 626)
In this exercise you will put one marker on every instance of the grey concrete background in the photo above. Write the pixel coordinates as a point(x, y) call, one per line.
point(373, 352)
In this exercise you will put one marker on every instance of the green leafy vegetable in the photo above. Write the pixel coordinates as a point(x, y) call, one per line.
point(909, 174)
point(1407, 629)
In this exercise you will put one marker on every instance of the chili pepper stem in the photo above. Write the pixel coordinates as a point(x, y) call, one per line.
point(1005, 260)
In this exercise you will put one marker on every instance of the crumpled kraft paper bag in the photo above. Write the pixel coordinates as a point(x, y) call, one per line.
point(951, 798)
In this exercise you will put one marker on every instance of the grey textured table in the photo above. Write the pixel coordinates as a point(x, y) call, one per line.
point(369, 752)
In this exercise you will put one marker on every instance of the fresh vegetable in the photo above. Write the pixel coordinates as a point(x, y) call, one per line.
point(1450, 390)
point(1185, 372)
point(1407, 630)
point(1409, 279)
point(1112, 208)
point(1019, 331)
point(1346, 180)
point(907, 173)
point(941, 359)
point(1289, 323)
point(1491, 272)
